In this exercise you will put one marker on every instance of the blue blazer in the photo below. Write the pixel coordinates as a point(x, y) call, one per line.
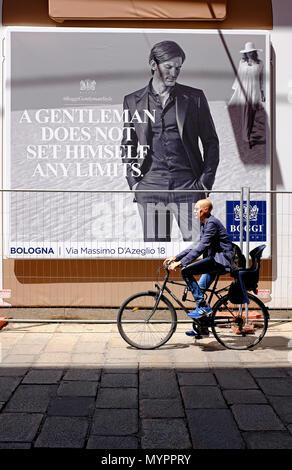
point(214, 243)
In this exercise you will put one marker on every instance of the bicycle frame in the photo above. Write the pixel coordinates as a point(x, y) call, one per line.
point(164, 287)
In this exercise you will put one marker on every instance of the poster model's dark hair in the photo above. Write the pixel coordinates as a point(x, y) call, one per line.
point(166, 50)
point(254, 56)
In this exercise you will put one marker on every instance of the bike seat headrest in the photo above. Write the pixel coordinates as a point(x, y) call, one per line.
point(257, 252)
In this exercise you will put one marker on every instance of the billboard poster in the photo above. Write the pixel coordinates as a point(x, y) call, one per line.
point(102, 124)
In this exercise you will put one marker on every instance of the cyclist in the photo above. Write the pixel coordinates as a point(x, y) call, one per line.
point(216, 248)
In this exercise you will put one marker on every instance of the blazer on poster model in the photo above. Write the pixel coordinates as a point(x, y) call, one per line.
point(194, 121)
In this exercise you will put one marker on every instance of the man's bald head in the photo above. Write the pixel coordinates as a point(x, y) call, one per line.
point(205, 204)
point(203, 209)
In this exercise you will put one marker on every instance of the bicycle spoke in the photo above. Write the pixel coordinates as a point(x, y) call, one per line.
point(145, 325)
point(231, 328)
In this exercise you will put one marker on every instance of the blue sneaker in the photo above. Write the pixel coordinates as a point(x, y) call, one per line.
point(200, 312)
point(204, 333)
point(190, 333)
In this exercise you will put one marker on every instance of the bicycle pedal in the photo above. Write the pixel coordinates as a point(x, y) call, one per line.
point(202, 336)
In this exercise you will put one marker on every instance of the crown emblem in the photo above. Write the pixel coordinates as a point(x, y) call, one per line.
point(87, 85)
point(253, 212)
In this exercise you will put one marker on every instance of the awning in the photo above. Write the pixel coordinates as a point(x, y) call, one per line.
point(199, 10)
point(238, 14)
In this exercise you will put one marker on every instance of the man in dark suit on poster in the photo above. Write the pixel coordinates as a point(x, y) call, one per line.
point(172, 160)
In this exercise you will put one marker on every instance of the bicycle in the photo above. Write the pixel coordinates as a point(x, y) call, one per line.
point(147, 320)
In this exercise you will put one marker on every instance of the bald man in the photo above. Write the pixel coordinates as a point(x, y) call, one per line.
point(216, 248)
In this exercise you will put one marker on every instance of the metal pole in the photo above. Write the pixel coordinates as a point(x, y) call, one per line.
point(241, 220)
point(247, 226)
point(109, 322)
point(241, 231)
point(247, 242)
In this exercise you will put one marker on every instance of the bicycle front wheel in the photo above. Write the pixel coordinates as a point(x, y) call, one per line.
point(236, 330)
point(144, 324)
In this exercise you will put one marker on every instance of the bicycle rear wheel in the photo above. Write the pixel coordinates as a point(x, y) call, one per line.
point(229, 325)
point(145, 325)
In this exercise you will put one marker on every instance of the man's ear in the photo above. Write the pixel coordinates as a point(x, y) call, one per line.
point(153, 65)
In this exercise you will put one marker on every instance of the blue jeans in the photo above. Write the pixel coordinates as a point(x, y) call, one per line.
point(209, 270)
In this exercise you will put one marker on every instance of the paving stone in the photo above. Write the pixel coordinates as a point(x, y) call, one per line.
point(63, 343)
point(19, 427)
point(283, 407)
point(190, 369)
point(102, 442)
point(125, 354)
point(43, 376)
point(36, 338)
point(63, 432)
point(89, 347)
point(120, 369)
point(71, 406)
point(244, 396)
point(220, 356)
point(18, 360)
point(83, 374)
point(31, 398)
point(7, 387)
point(164, 434)
point(202, 397)
point(268, 440)
point(117, 398)
point(265, 372)
point(13, 371)
point(77, 388)
point(235, 379)
point(56, 359)
point(161, 408)
point(113, 422)
point(15, 445)
point(157, 383)
point(119, 380)
point(95, 360)
point(256, 418)
point(277, 386)
point(214, 429)
point(24, 349)
point(195, 378)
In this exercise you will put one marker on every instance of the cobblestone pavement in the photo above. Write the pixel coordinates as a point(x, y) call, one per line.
point(81, 386)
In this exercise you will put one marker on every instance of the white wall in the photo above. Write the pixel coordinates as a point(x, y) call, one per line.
point(281, 39)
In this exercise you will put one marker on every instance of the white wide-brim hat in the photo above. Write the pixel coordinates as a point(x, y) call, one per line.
point(249, 47)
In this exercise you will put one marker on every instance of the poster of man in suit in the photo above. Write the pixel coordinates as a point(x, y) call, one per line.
point(116, 133)
point(173, 160)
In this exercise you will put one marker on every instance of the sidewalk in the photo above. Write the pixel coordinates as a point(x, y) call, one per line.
point(82, 386)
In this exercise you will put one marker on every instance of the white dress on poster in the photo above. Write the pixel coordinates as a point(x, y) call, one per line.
point(248, 84)
point(248, 97)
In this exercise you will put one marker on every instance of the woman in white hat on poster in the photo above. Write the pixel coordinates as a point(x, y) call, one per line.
point(249, 95)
